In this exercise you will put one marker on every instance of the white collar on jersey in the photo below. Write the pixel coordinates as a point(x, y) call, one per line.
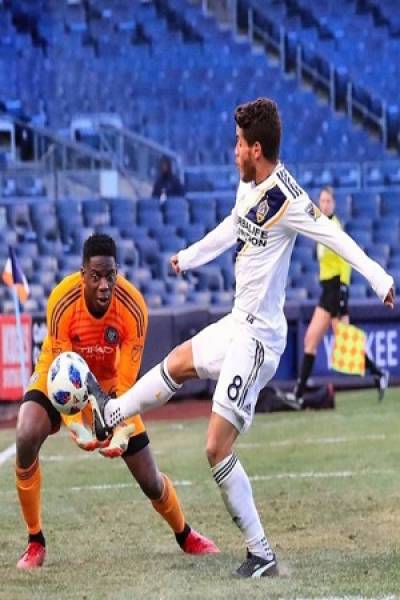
point(262, 183)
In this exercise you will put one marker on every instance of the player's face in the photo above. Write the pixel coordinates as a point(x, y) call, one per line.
point(99, 277)
point(326, 203)
point(244, 157)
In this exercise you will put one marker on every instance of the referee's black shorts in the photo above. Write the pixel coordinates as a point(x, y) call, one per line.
point(330, 296)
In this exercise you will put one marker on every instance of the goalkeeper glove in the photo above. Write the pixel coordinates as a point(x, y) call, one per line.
point(83, 437)
point(119, 441)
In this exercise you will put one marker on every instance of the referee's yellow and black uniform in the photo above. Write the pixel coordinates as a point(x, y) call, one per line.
point(334, 276)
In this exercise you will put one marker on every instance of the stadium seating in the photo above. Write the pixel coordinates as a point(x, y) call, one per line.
point(203, 72)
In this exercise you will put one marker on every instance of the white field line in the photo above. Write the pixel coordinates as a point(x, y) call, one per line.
point(391, 597)
point(82, 456)
point(312, 441)
point(7, 453)
point(113, 486)
point(304, 475)
point(322, 474)
point(255, 478)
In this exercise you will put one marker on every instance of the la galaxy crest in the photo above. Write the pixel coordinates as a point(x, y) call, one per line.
point(313, 211)
point(262, 209)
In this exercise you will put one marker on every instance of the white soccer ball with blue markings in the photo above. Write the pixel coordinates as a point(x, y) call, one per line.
point(66, 385)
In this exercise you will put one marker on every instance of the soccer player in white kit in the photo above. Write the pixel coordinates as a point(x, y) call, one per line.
point(242, 350)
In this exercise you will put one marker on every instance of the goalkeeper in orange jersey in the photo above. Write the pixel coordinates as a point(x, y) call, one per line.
point(100, 315)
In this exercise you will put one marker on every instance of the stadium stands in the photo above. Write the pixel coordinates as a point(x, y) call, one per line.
point(114, 49)
point(49, 245)
point(201, 76)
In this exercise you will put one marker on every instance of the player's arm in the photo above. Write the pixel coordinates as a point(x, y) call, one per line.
point(58, 340)
point(302, 218)
point(212, 245)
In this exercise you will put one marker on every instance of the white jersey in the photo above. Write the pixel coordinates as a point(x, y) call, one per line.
point(263, 224)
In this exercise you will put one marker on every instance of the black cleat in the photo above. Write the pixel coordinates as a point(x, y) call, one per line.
point(255, 566)
point(290, 399)
point(98, 400)
point(381, 383)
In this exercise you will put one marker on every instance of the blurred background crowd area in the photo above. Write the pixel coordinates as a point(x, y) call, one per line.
point(96, 95)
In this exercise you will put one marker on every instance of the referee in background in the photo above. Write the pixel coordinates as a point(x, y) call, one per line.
point(334, 276)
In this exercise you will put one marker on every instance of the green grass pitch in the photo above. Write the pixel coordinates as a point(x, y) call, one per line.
point(327, 485)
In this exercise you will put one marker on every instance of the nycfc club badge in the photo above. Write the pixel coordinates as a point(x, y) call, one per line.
point(111, 335)
point(262, 210)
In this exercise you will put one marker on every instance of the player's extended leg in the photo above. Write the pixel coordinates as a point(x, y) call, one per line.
point(154, 389)
point(247, 367)
point(237, 495)
point(33, 427)
point(160, 490)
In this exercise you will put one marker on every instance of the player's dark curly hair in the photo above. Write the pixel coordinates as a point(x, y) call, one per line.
point(99, 244)
point(260, 122)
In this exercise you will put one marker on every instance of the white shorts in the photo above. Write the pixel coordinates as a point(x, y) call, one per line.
point(227, 351)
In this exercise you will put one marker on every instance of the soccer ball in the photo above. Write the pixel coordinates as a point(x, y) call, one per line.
point(66, 386)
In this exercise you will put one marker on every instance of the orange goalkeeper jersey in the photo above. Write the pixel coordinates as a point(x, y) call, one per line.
point(111, 345)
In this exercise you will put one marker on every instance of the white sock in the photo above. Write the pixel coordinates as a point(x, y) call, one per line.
point(238, 498)
point(154, 389)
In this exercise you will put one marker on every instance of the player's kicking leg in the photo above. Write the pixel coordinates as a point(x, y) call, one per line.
point(154, 389)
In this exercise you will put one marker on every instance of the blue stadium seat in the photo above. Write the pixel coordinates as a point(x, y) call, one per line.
point(295, 269)
point(224, 206)
point(172, 244)
point(155, 286)
point(174, 300)
point(150, 218)
point(224, 298)
point(363, 238)
point(134, 232)
point(388, 236)
point(390, 203)
point(128, 257)
point(154, 300)
point(358, 291)
point(177, 218)
point(178, 285)
point(70, 262)
point(175, 204)
point(304, 254)
point(148, 251)
point(365, 204)
point(192, 233)
point(200, 297)
point(140, 276)
point(163, 231)
point(296, 294)
point(379, 252)
point(204, 216)
point(209, 278)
